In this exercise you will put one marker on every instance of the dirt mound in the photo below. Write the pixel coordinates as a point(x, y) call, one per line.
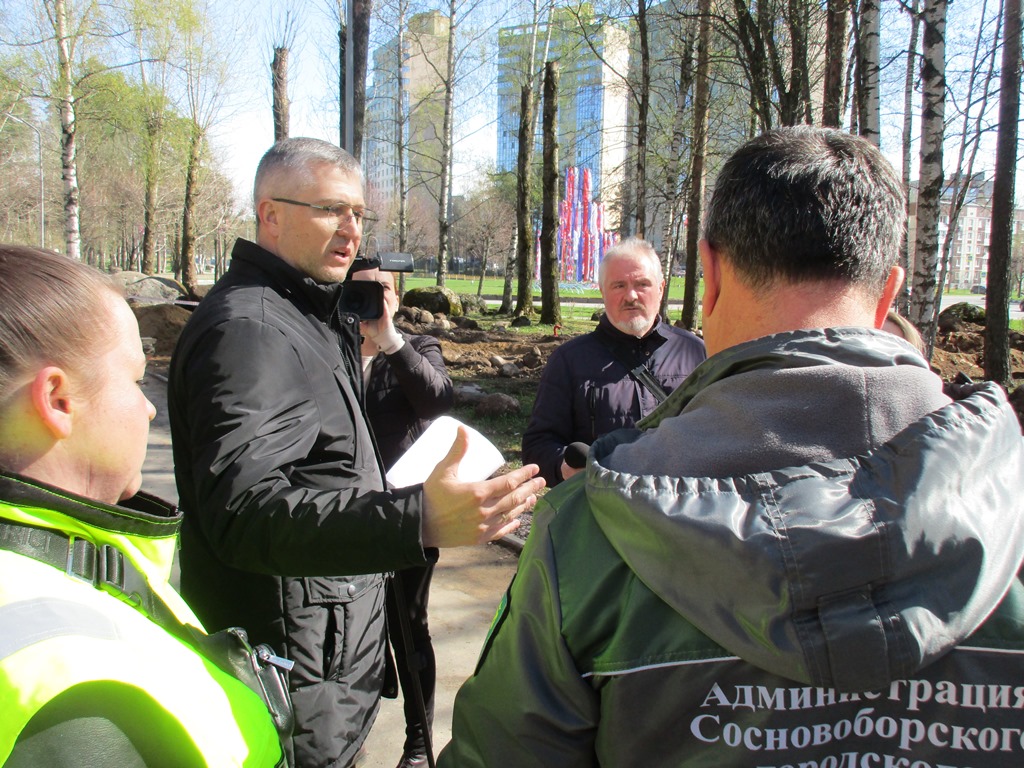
point(163, 323)
point(473, 354)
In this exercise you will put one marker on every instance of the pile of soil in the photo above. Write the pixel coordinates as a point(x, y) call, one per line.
point(472, 353)
point(162, 323)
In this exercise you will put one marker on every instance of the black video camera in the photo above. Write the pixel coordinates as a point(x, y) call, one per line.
point(366, 297)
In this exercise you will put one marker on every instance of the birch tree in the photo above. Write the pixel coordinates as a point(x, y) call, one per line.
point(868, 95)
point(973, 115)
point(63, 34)
point(933, 109)
point(903, 300)
point(447, 139)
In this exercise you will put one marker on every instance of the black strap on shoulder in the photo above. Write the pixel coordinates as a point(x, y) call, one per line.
point(640, 373)
point(643, 376)
point(104, 567)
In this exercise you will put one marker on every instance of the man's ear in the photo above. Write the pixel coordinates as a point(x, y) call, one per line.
point(712, 264)
point(50, 393)
point(893, 283)
point(267, 213)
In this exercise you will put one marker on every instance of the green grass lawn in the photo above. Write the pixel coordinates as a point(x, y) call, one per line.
point(493, 286)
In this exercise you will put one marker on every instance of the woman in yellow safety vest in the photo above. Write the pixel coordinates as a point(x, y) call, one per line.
point(98, 663)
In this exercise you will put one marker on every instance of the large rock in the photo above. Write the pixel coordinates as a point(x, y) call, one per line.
point(473, 303)
point(149, 287)
point(435, 299)
point(497, 404)
point(953, 317)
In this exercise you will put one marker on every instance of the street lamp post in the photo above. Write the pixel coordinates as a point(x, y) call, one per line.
point(42, 208)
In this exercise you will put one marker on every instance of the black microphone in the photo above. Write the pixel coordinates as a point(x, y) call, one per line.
point(576, 455)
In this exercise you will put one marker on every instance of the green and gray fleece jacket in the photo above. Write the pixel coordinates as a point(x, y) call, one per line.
point(807, 556)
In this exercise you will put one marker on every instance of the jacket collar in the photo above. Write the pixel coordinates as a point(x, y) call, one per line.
point(864, 347)
point(142, 515)
point(321, 299)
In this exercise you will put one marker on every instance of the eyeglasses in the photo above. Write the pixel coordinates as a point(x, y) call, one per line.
point(343, 213)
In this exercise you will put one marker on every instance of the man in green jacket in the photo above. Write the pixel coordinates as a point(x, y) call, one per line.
point(808, 555)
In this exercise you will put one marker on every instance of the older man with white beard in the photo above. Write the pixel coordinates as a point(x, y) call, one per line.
point(615, 375)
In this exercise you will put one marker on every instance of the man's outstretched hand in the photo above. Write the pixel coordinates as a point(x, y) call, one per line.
point(457, 513)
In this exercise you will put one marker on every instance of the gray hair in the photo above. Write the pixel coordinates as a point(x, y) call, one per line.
point(631, 246)
point(297, 155)
point(807, 204)
point(50, 312)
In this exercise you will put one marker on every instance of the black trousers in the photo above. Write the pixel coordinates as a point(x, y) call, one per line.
point(415, 586)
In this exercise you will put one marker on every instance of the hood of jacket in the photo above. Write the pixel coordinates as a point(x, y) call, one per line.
point(844, 571)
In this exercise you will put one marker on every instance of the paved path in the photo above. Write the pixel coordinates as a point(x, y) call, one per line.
point(467, 586)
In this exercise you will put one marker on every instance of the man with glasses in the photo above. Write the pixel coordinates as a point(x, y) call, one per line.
point(287, 526)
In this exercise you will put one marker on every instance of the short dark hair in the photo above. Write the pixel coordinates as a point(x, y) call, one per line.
point(804, 203)
point(51, 312)
point(298, 154)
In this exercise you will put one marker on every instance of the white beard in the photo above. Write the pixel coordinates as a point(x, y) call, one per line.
point(635, 326)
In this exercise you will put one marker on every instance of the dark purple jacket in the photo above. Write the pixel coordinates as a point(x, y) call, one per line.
point(586, 390)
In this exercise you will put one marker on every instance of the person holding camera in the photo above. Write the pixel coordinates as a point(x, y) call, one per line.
point(407, 385)
point(287, 525)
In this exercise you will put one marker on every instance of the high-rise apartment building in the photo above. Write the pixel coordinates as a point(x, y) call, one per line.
point(419, 104)
point(968, 254)
point(593, 57)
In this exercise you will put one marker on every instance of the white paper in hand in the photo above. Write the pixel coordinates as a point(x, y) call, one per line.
point(415, 465)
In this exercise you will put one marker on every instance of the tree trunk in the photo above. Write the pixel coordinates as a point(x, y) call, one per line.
point(933, 109)
point(903, 300)
point(967, 153)
point(642, 119)
point(701, 104)
point(152, 180)
point(361, 12)
point(342, 53)
point(673, 182)
point(483, 267)
point(867, 71)
point(403, 192)
point(997, 295)
point(68, 128)
point(189, 279)
point(524, 223)
point(447, 135)
point(550, 312)
point(279, 85)
point(510, 275)
point(837, 16)
point(800, 75)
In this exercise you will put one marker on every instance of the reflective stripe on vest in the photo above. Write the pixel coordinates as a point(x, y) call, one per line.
point(57, 632)
point(33, 621)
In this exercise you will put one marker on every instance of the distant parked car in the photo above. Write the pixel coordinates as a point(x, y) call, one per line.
point(977, 289)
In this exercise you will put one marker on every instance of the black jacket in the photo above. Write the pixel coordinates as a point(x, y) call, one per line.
point(281, 492)
point(408, 389)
